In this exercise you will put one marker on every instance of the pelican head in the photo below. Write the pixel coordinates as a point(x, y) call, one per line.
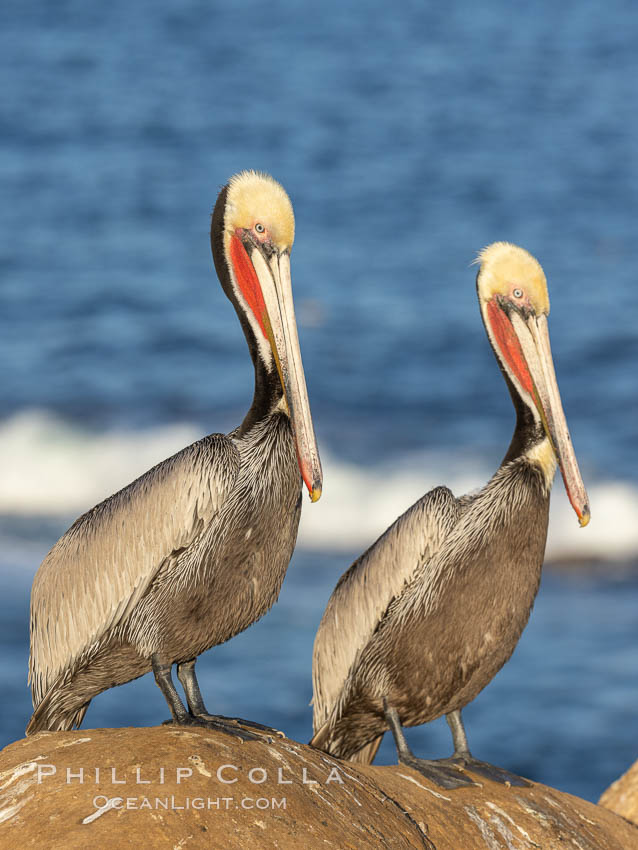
point(512, 292)
point(252, 233)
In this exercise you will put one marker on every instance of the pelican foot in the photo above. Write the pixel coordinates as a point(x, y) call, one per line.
point(251, 724)
point(185, 720)
point(440, 771)
point(489, 771)
point(233, 726)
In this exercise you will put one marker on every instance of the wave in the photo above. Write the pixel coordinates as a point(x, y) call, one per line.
point(359, 504)
point(50, 469)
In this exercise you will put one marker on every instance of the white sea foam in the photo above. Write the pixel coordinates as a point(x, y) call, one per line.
point(49, 469)
point(359, 504)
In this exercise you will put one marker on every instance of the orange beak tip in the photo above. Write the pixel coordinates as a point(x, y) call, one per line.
point(315, 493)
point(584, 518)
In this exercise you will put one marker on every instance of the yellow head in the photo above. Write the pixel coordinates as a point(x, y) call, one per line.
point(258, 204)
point(512, 273)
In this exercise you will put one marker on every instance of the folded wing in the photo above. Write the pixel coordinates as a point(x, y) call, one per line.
point(363, 594)
point(99, 569)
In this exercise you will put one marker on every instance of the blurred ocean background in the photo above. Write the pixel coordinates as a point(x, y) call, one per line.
point(408, 137)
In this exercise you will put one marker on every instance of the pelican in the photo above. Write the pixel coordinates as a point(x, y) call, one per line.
point(424, 619)
point(196, 549)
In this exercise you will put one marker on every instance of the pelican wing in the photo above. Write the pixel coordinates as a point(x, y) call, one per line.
point(100, 568)
point(364, 592)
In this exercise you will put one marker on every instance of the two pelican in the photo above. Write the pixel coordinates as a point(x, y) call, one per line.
point(420, 624)
point(196, 549)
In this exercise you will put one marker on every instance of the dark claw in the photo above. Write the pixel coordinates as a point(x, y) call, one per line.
point(188, 720)
point(448, 776)
point(491, 771)
point(231, 726)
point(252, 725)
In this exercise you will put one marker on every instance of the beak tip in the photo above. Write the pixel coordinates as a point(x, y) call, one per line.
point(315, 492)
point(584, 517)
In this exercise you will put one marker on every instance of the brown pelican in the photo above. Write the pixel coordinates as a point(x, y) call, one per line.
point(424, 619)
point(196, 549)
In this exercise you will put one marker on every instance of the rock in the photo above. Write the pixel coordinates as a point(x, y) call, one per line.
point(622, 795)
point(194, 788)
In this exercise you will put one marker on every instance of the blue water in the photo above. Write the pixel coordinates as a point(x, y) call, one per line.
point(562, 711)
point(408, 138)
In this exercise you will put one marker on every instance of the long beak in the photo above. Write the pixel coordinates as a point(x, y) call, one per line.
point(281, 329)
point(533, 336)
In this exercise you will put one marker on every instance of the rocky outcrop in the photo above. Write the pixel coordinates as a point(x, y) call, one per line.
point(193, 788)
point(622, 795)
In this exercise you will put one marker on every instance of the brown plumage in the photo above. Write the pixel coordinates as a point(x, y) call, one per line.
point(424, 619)
point(196, 549)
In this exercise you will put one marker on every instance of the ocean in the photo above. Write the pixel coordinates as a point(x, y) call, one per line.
point(407, 138)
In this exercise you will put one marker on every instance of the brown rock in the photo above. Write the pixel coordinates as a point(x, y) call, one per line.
point(192, 788)
point(622, 795)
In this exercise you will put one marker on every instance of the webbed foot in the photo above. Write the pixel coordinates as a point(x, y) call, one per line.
point(251, 724)
point(234, 726)
point(185, 720)
point(439, 771)
point(489, 771)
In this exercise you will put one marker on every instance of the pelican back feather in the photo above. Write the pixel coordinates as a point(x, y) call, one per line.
point(101, 567)
point(362, 597)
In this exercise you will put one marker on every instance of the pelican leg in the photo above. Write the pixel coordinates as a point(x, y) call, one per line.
point(186, 675)
point(459, 738)
point(462, 756)
point(164, 681)
point(446, 775)
point(229, 725)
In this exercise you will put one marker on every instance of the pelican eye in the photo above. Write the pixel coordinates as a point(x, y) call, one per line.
point(260, 228)
point(517, 293)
